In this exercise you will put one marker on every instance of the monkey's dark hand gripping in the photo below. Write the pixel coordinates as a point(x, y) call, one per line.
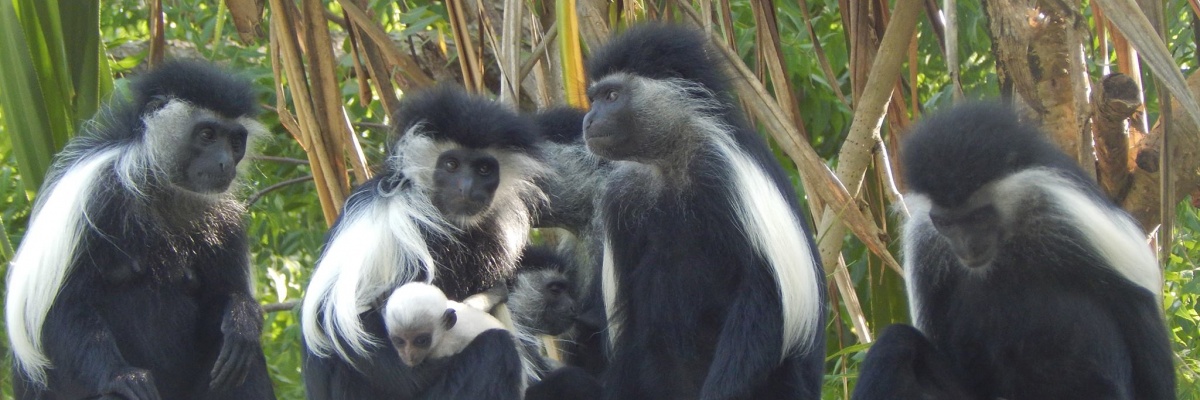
point(241, 327)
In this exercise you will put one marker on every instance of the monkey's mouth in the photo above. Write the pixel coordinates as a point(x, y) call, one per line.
point(975, 259)
point(462, 209)
point(206, 183)
point(602, 141)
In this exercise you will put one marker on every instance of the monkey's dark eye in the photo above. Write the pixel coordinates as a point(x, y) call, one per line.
point(450, 164)
point(422, 341)
point(484, 170)
point(612, 95)
point(207, 134)
point(556, 287)
point(398, 342)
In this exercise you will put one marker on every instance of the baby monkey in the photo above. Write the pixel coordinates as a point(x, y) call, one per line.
point(422, 323)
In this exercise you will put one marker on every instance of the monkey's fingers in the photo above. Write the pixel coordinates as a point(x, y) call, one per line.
point(228, 364)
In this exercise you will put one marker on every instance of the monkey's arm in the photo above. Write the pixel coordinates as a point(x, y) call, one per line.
point(750, 342)
point(1153, 359)
point(487, 300)
point(228, 289)
point(1073, 350)
point(82, 347)
point(903, 364)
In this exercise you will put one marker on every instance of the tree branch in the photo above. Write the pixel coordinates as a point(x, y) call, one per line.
point(277, 307)
point(1115, 101)
point(253, 199)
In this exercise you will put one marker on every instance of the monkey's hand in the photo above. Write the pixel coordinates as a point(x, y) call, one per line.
point(131, 384)
point(240, 329)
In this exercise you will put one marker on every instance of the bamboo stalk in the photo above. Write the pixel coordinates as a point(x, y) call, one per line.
point(467, 60)
point(864, 136)
point(288, 50)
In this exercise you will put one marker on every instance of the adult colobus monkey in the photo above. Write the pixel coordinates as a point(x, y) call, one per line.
point(133, 280)
point(1020, 272)
point(713, 288)
point(452, 207)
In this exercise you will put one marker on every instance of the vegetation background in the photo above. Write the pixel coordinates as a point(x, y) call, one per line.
point(830, 82)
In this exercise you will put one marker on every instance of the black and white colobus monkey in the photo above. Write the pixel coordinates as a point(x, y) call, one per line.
point(451, 206)
point(133, 280)
point(1020, 272)
point(713, 288)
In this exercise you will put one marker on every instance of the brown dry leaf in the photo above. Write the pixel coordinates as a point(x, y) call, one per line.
point(247, 18)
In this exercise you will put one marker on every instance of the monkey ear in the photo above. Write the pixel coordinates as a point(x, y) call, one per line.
point(450, 318)
point(155, 103)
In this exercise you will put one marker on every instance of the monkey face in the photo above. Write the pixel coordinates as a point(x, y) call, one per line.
point(611, 128)
point(560, 307)
point(413, 346)
point(543, 300)
point(465, 180)
point(210, 155)
point(975, 234)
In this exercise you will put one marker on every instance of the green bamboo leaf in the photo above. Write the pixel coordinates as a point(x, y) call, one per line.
point(43, 33)
point(25, 118)
point(85, 56)
point(6, 249)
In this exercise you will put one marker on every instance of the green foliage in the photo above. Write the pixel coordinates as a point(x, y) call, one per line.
point(1181, 299)
point(53, 75)
point(286, 225)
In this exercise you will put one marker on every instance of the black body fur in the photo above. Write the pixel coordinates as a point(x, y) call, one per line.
point(160, 284)
point(473, 260)
point(903, 365)
point(566, 383)
point(1052, 316)
point(700, 312)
